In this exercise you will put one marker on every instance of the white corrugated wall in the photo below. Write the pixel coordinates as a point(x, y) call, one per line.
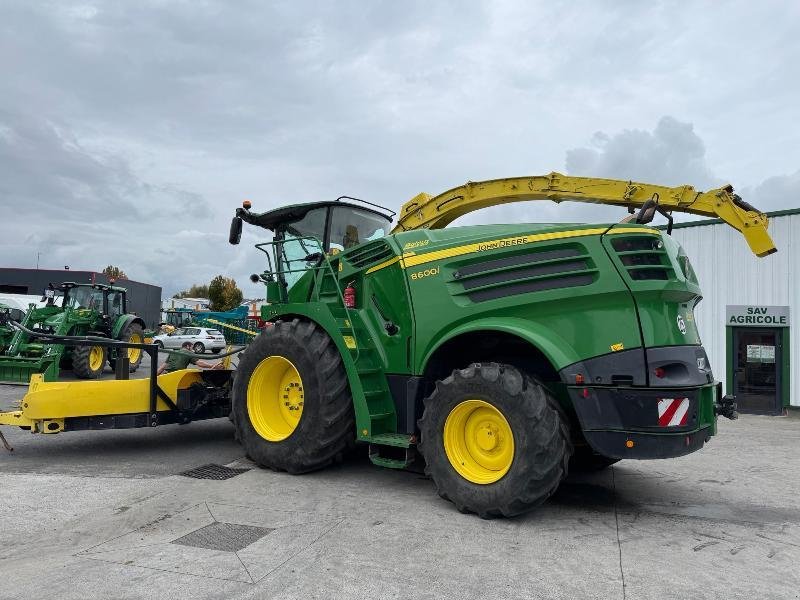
point(730, 274)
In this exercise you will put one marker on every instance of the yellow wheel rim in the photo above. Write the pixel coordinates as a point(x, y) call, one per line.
point(134, 353)
point(96, 358)
point(478, 442)
point(275, 398)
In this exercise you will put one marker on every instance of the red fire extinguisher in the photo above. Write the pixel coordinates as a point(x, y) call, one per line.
point(350, 295)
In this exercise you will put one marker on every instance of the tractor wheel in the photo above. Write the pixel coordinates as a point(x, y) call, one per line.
point(88, 361)
point(584, 459)
point(135, 334)
point(198, 348)
point(291, 401)
point(160, 344)
point(494, 441)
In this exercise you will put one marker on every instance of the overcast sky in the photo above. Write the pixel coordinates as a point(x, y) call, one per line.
point(130, 131)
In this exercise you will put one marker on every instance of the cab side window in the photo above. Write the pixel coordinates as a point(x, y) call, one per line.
point(115, 304)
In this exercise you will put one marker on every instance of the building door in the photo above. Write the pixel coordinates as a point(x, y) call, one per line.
point(757, 370)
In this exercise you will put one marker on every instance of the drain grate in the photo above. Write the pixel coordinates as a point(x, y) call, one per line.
point(225, 537)
point(213, 472)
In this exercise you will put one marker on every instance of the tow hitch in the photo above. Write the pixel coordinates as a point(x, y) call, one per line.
point(726, 405)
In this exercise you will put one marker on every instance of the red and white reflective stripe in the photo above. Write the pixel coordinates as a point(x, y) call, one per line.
point(673, 412)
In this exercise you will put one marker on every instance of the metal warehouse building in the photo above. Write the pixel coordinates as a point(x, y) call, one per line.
point(747, 315)
point(143, 299)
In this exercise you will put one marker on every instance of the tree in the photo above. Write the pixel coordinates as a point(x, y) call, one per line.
point(224, 294)
point(196, 291)
point(114, 273)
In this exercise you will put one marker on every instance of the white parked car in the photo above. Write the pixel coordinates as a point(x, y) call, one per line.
point(202, 339)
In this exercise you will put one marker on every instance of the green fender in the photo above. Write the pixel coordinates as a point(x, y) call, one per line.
point(547, 340)
point(122, 322)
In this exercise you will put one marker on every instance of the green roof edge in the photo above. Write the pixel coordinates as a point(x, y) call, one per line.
point(703, 222)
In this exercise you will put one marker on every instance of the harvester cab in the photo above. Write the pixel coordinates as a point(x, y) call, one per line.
point(71, 309)
point(307, 235)
point(504, 354)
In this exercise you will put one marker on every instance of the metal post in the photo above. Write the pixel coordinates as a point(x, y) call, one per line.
point(153, 352)
point(122, 365)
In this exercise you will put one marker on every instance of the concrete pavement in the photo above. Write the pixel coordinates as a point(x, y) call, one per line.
point(107, 515)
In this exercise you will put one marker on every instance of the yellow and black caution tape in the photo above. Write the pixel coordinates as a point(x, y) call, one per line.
point(229, 326)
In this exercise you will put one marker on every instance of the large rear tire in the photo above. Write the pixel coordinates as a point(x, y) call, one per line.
point(494, 441)
point(135, 334)
point(88, 361)
point(291, 400)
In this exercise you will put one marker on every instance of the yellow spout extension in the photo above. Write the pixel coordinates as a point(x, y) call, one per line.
point(434, 212)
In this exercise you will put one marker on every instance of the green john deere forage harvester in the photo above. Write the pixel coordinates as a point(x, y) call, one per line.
point(82, 309)
point(504, 354)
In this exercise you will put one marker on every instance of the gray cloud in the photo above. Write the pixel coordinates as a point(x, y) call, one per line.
point(776, 193)
point(130, 130)
point(671, 154)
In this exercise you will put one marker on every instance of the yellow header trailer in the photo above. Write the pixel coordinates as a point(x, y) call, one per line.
point(182, 396)
point(178, 397)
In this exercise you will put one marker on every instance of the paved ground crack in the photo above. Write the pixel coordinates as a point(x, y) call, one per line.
point(616, 521)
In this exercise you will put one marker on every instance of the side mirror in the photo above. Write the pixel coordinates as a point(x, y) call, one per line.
point(264, 277)
point(235, 235)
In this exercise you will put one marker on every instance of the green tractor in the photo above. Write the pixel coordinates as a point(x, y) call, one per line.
point(176, 318)
point(72, 309)
point(6, 330)
point(504, 354)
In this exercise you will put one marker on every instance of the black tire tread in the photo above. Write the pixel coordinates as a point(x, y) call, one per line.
point(548, 455)
point(125, 335)
point(330, 433)
point(80, 363)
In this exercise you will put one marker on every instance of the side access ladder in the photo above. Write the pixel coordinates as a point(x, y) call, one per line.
point(387, 448)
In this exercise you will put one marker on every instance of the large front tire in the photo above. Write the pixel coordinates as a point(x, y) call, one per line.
point(494, 441)
point(291, 400)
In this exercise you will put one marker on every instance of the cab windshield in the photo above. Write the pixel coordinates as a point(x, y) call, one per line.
point(85, 297)
point(346, 227)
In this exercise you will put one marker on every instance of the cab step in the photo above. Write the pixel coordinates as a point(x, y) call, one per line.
point(392, 450)
point(396, 440)
point(392, 457)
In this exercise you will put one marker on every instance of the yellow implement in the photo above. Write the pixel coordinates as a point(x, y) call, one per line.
point(52, 407)
point(434, 212)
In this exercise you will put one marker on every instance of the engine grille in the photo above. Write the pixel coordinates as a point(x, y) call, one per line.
point(369, 254)
point(644, 257)
point(549, 269)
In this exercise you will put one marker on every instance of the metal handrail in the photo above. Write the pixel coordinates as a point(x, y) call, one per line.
point(91, 340)
point(322, 263)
